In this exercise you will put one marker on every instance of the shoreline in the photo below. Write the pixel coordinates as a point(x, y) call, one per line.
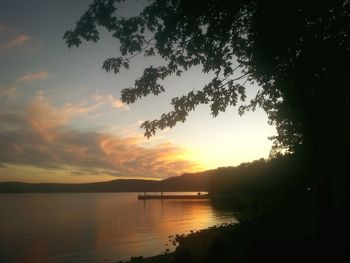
point(192, 247)
point(161, 258)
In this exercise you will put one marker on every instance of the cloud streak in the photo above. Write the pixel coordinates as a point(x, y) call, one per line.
point(111, 101)
point(15, 41)
point(11, 90)
point(13, 38)
point(48, 120)
point(40, 137)
point(39, 75)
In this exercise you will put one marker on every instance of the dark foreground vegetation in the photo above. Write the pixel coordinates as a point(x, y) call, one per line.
point(274, 202)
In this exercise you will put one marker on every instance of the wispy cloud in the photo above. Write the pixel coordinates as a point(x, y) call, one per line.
point(35, 76)
point(46, 119)
point(15, 41)
point(11, 37)
point(11, 90)
point(39, 137)
point(111, 101)
point(118, 104)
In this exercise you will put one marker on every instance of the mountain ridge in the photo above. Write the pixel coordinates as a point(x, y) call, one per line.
point(182, 183)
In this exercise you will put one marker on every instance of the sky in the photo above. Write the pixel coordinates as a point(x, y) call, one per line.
point(61, 118)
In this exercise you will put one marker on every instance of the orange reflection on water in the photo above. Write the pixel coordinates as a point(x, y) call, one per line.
point(95, 227)
point(144, 227)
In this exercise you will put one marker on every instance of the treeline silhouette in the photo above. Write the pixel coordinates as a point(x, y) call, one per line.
point(275, 203)
point(264, 185)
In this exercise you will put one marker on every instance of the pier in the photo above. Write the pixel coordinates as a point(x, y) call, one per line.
point(146, 196)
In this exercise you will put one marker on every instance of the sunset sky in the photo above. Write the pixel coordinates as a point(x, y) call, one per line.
point(61, 119)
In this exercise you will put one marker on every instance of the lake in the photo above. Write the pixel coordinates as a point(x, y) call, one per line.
point(96, 227)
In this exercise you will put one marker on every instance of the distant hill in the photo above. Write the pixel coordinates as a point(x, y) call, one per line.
point(183, 183)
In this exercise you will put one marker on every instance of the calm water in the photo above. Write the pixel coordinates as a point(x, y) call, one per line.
point(95, 227)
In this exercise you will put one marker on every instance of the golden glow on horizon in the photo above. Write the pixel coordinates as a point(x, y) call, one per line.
point(32, 174)
point(219, 156)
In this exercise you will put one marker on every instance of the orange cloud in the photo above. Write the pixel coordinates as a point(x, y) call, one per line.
point(158, 161)
point(15, 41)
point(43, 117)
point(118, 104)
point(92, 153)
point(47, 119)
point(33, 76)
point(11, 90)
point(39, 137)
point(111, 101)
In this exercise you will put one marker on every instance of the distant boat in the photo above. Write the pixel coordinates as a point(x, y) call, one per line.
point(146, 196)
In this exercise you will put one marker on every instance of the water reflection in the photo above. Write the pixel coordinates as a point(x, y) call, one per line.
point(95, 227)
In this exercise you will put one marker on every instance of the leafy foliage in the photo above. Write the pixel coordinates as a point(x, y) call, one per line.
point(295, 50)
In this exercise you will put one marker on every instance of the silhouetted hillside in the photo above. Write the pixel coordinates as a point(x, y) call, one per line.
point(185, 182)
point(260, 179)
point(188, 182)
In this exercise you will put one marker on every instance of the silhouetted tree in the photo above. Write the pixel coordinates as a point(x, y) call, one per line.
point(297, 51)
